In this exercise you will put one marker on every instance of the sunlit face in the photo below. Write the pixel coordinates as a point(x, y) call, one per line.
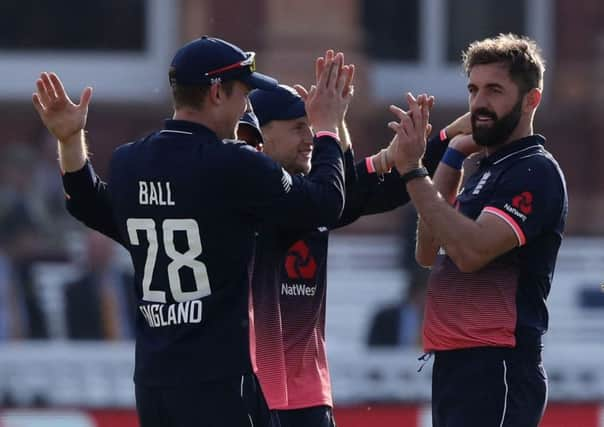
point(233, 107)
point(495, 103)
point(289, 142)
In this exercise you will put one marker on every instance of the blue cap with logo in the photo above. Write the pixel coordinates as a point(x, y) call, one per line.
point(281, 103)
point(209, 60)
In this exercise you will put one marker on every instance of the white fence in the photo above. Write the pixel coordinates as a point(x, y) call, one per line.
point(363, 274)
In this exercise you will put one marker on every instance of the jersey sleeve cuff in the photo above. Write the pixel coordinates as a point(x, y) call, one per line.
point(369, 165)
point(510, 221)
point(326, 133)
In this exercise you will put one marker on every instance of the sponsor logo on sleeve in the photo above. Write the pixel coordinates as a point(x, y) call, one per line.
point(521, 207)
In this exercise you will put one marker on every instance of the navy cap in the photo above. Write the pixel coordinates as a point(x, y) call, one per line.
point(209, 60)
point(281, 103)
point(250, 119)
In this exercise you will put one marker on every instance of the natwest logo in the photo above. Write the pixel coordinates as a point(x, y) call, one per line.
point(524, 202)
point(299, 263)
point(298, 290)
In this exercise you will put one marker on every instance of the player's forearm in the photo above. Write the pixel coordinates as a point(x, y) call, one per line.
point(446, 182)
point(458, 235)
point(73, 152)
point(345, 141)
point(425, 246)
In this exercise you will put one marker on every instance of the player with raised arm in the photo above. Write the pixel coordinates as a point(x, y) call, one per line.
point(492, 245)
point(290, 272)
point(186, 202)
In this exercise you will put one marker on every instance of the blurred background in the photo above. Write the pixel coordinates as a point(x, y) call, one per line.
point(66, 308)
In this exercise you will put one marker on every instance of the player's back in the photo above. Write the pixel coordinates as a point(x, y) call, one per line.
point(174, 202)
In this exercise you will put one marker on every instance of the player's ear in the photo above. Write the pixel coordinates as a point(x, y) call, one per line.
point(532, 99)
point(215, 94)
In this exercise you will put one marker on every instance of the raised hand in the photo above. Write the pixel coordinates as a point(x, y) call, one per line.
point(327, 101)
point(460, 126)
point(60, 115)
point(409, 144)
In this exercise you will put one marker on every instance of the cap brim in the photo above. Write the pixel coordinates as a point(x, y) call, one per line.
point(260, 81)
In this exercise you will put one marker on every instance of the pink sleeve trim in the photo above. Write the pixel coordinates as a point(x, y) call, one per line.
point(443, 134)
point(511, 222)
point(369, 165)
point(327, 133)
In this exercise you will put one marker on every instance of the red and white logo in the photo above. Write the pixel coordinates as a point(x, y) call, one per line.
point(299, 263)
point(523, 202)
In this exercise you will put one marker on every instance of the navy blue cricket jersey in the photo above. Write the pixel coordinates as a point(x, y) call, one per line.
point(503, 304)
point(186, 206)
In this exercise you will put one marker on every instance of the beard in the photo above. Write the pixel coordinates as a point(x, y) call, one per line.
point(500, 130)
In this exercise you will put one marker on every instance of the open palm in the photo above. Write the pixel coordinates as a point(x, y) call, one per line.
point(59, 114)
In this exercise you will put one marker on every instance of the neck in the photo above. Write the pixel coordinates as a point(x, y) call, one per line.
point(521, 131)
point(199, 117)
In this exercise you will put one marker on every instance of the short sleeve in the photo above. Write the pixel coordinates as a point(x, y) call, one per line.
point(529, 196)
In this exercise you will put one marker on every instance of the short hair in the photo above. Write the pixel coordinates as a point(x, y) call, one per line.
point(521, 54)
point(193, 96)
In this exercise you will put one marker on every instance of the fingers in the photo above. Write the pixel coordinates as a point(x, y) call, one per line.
point(42, 92)
point(428, 130)
point(37, 104)
point(334, 68)
point(348, 86)
point(322, 66)
point(58, 86)
point(48, 86)
point(395, 126)
point(398, 112)
point(302, 92)
point(319, 67)
point(342, 79)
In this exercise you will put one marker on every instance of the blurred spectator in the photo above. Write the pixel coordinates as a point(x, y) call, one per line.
point(10, 327)
point(100, 303)
point(400, 324)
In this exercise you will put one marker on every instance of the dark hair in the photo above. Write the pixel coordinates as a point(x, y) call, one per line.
point(521, 54)
point(193, 96)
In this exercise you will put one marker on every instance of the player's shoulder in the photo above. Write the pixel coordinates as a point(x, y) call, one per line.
point(244, 154)
point(538, 161)
point(128, 149)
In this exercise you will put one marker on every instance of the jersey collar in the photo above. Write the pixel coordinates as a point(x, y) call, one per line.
point(516, 148)
point(185, 127)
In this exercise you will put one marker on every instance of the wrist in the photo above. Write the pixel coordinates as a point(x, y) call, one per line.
point(419, 172)
point(453, 158)
point(330, 134)
point(327, 129)
point(380, 162)
point(73, 152)
point(406, 167)
point(73, 139)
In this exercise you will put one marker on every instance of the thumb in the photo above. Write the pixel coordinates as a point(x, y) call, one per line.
point(85, 98)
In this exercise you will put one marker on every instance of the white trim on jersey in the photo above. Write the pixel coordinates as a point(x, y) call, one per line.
point(514, 153)
point(176, 131)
